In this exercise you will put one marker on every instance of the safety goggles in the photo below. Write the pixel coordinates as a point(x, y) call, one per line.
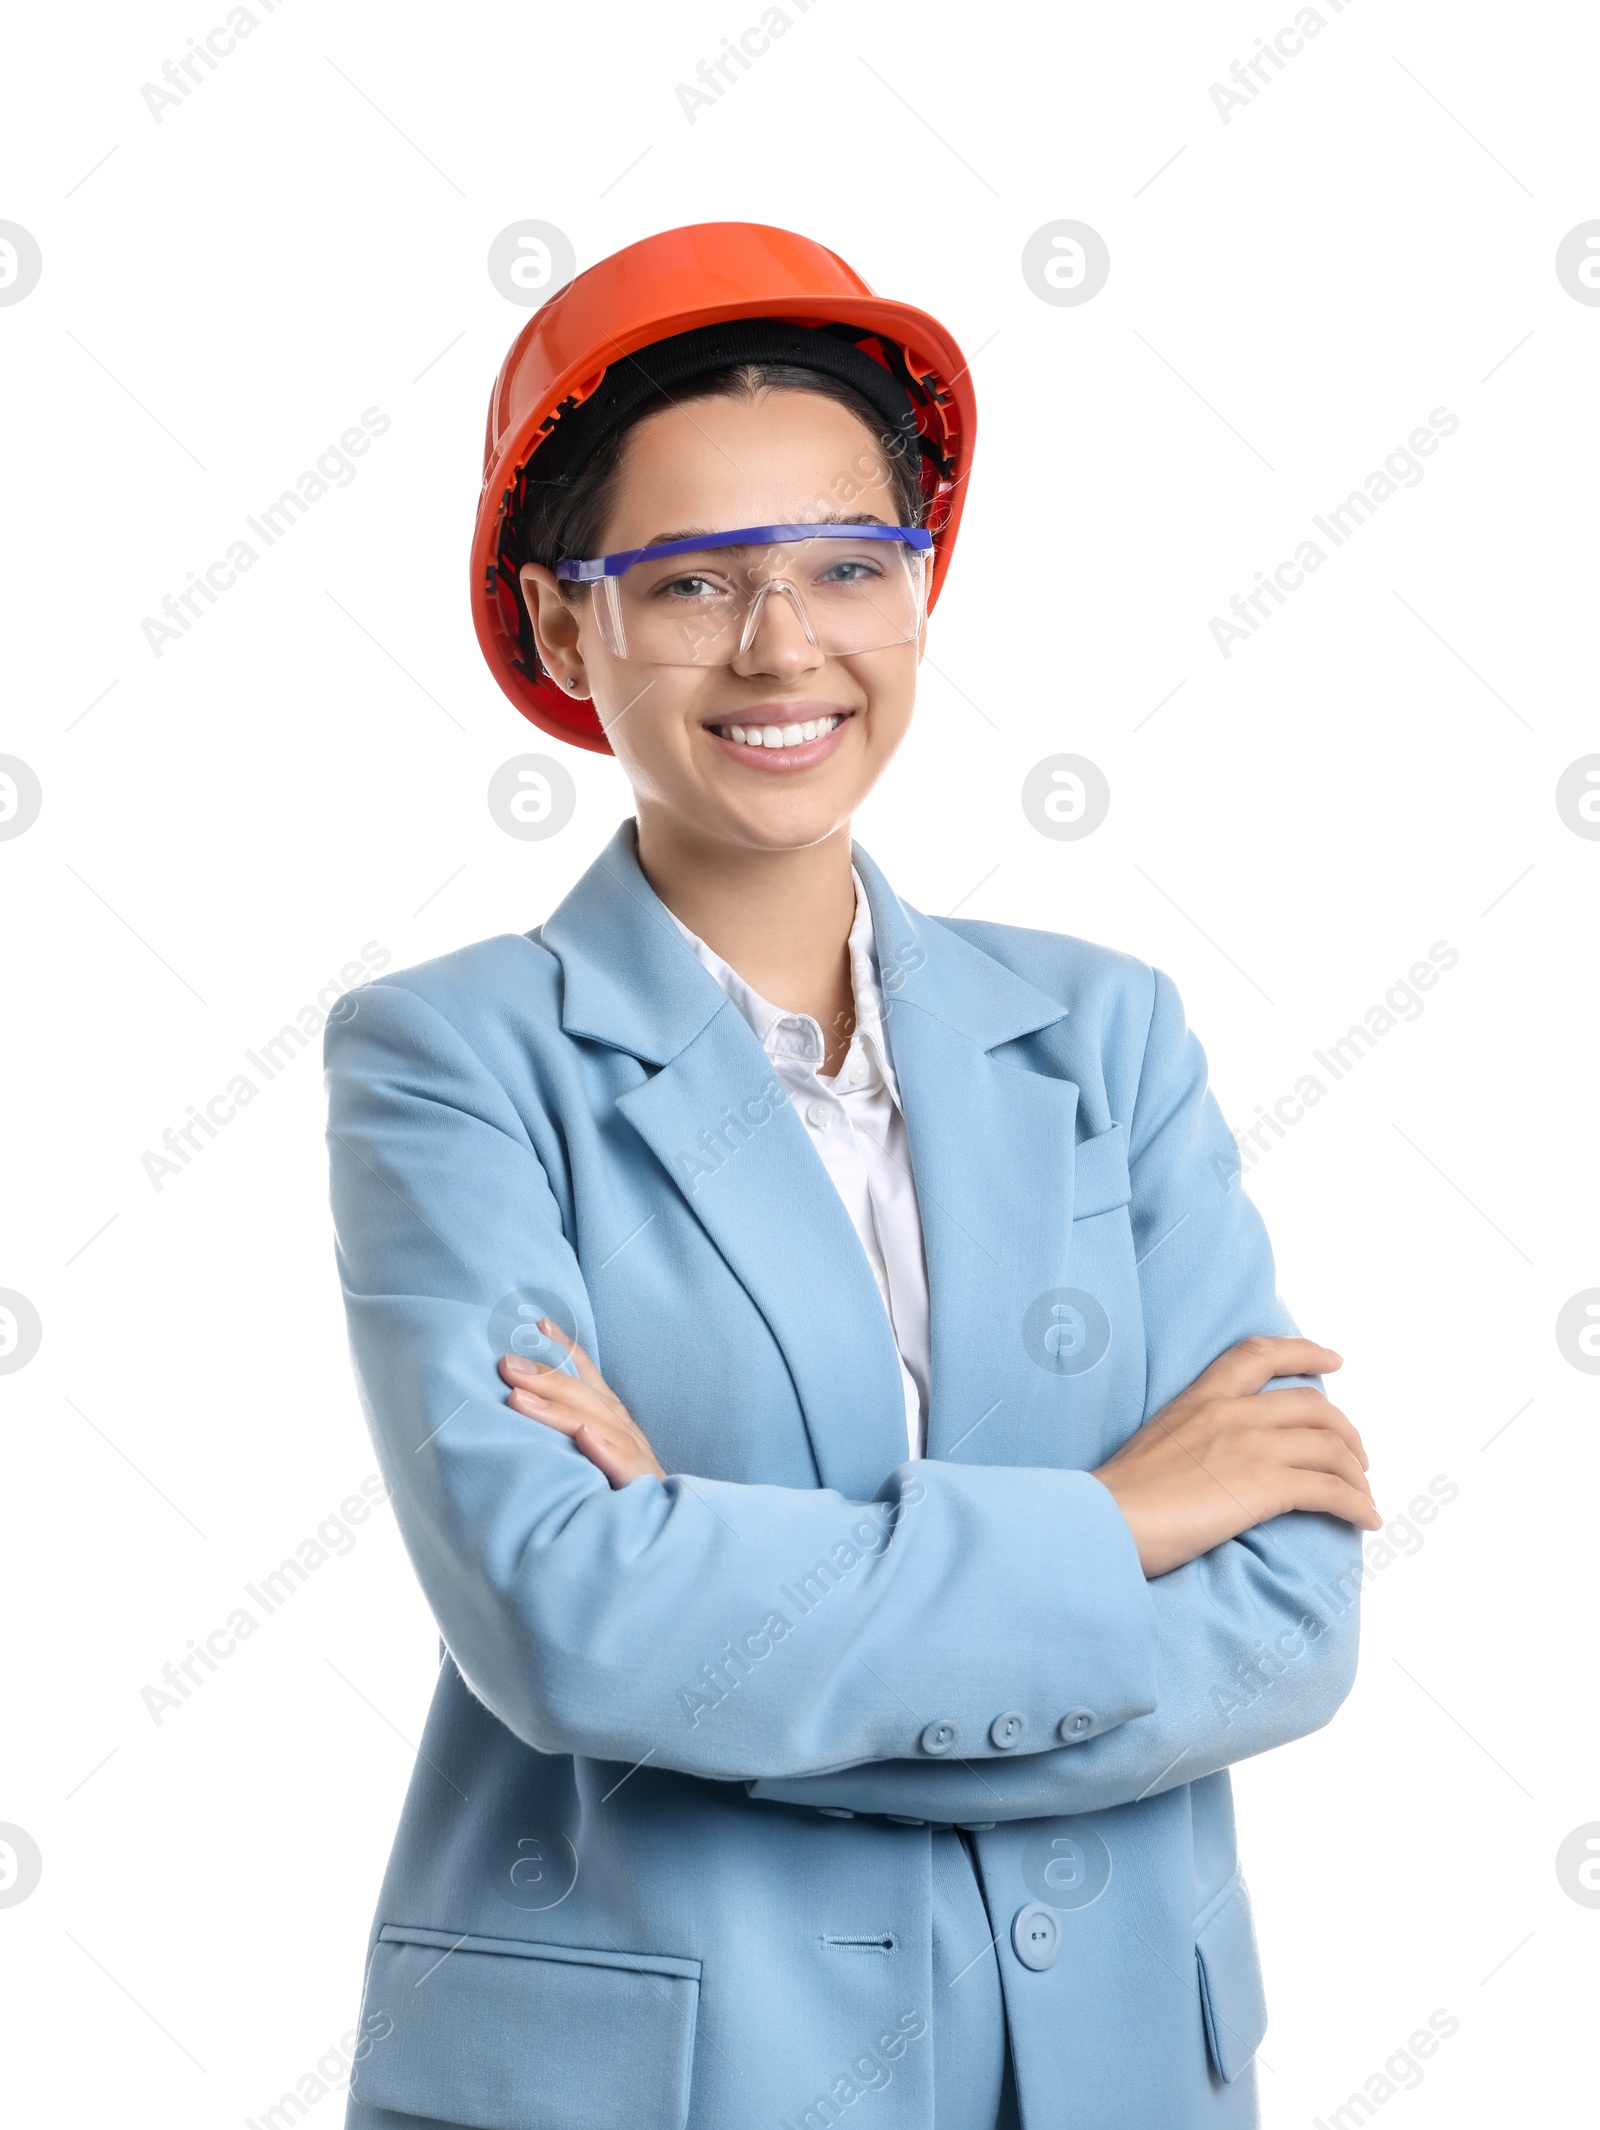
point(700, 602)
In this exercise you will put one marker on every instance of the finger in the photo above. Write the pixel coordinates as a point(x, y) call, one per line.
point(560, 1394)
point(1303, 1407)
point(1256, 1361)
point(587, 1371)
point(620, 1458)
point(1317, 1449)
point(1323, 1493)
point(546, 1375)
point(532, 1407)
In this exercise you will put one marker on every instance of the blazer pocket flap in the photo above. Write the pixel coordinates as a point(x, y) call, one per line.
point(1100, 1174)
point(508, 2034)
point(1231, 1996)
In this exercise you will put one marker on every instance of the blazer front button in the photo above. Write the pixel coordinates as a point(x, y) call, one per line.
point(1036, 1936)
point(1008, 1730)
point(1078, 1723)
point(939, 1737)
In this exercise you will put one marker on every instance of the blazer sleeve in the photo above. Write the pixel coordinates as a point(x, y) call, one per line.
point(643, 1622)
point(1257, 1639)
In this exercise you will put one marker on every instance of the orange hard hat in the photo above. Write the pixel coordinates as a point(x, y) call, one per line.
point(663, 286)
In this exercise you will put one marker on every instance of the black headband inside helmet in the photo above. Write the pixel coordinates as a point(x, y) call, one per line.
point(655, 374)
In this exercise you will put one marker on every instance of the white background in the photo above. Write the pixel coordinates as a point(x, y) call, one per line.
point(223, 293)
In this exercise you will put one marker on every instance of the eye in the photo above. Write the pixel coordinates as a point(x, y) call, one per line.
point(693, 586)
point(855, 570)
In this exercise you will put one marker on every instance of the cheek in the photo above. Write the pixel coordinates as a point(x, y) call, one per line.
point(648, 719)
point(890, 682)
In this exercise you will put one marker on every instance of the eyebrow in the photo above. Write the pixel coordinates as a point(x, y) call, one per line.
point(706, 532)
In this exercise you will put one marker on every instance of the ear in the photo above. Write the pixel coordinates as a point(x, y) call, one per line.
point(555, 628)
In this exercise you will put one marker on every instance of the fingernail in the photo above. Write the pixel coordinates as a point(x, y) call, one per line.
point(515, 1365)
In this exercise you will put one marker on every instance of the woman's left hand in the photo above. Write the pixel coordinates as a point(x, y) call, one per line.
point(583, 1407)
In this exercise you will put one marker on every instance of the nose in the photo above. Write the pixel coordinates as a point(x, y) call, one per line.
point(778, 639)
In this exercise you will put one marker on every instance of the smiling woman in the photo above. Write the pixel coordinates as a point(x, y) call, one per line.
point(792, 1195)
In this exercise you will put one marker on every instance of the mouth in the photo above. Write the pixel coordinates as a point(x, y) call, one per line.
point(773, 742)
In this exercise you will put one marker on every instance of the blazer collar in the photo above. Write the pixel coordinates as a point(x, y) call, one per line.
point(991, 1149)
point(631, 980)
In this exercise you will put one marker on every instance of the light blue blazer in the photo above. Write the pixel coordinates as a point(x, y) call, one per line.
point(665, 1857)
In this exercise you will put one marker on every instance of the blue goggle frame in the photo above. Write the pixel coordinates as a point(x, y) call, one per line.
point(911, 536)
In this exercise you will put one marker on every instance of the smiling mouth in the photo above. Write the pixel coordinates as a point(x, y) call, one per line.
point(778, 736)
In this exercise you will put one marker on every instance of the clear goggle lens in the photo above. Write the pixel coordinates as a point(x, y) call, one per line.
point(848, 589)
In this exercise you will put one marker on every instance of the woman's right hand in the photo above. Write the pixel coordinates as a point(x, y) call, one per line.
point(1227, 1454)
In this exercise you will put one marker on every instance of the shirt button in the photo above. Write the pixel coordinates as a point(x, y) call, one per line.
point(939, 1737)
point(1036, 1936)
point(1076, 1725)
point(820, 1114)
point(1007, 1731)
point(858, 1071)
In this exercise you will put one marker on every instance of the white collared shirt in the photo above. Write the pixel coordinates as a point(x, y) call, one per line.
point(856, 1124)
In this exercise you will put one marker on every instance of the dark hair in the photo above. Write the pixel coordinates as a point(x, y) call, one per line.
point(563, 520)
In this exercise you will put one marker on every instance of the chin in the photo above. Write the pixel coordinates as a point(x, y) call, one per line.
point(789, 823)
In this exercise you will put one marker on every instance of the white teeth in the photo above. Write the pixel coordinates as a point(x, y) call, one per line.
point(779, 735)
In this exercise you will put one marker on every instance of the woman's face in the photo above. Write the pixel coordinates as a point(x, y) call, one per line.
point(711, 465)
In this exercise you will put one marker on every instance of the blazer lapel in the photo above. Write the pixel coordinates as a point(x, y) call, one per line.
point(992, 1155)
point(741, 1161)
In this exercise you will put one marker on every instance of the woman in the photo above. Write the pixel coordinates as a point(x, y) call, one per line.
point(829, 1379)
